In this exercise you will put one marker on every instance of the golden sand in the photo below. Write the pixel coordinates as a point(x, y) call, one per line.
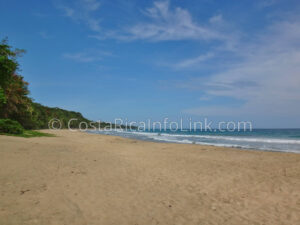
point(88, 179)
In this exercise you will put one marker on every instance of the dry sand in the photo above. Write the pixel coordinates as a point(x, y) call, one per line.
point(88, 179)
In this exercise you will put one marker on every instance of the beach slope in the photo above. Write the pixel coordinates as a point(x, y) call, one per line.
point(78, 178)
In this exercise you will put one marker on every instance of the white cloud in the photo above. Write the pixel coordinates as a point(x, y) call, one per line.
point(91, 5)
point(209, 111)
point(82, 11)
point(205, 98)
point(266, 3)
point(162, 23)
point(216, 19)
point(45, 35)
point(172, 24)
point(267, 79)
point(69, 12)
point(194, 61)
point(81, 57)
point(86, 56)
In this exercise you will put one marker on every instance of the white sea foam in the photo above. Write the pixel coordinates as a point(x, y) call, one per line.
point(247, 139)
point(273, 144)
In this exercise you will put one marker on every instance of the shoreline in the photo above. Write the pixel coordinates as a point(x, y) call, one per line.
point(201, 144)
point(83, 178)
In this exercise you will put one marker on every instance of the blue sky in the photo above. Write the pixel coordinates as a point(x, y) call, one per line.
point(224, 60)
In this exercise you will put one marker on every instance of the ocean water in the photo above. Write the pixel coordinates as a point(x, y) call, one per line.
point(284, 140)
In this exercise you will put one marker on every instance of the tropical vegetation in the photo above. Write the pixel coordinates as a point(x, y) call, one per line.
point(17, 110)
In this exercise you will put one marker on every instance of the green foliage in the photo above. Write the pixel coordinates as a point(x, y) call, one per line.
point(30, 133)
point(16, 105)
point(41, 116)
point(14, 100)
point(8, 62)
point(10, 126)
point(2, 97)
point(33, 133)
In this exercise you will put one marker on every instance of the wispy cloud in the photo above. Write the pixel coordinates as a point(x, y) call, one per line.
point(166, 23)
point(87, 56)
point(161, 23)
point(194, 61)
point(216, 19)
point(82, 11)
point(266, 3)
point(40, 15)
point(267, 79)
point(45, 35)
point(205, 98)
point(171, 24)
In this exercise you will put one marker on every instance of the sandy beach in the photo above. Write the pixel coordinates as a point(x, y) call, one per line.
point(88, 179)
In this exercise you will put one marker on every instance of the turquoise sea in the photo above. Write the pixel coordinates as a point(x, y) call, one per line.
point(284, 140)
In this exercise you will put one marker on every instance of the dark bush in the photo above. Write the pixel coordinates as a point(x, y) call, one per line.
point(10, 127)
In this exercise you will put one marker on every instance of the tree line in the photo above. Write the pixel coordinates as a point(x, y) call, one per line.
point(15, 103)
